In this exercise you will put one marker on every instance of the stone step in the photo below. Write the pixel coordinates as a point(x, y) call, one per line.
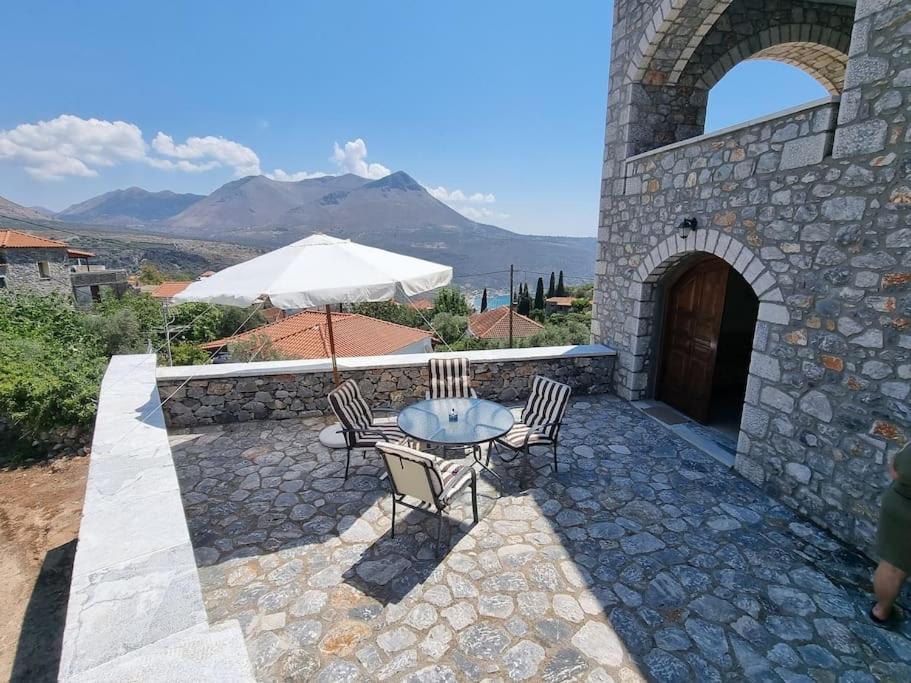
point(200, 653)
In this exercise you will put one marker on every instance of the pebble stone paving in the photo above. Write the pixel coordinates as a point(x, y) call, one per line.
point(642, 560)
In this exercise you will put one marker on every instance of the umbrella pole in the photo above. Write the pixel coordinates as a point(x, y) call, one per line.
point(331, 344)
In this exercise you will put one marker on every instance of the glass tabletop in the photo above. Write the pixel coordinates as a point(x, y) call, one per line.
point(478, 421)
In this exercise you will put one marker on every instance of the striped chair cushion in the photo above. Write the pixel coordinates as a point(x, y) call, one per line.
point(349, 406)
point(546, 404)
point(379, 433)
point(515, 437)
point(450, 378)
point(400, 459)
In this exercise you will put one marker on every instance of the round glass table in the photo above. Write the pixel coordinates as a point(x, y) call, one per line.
point(477, 422)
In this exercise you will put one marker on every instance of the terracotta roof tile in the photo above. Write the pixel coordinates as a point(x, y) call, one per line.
point(79, 253)
point(304, 335)
point(13, 239)
point(561, 300)
point(168, 289)
point(494, 324)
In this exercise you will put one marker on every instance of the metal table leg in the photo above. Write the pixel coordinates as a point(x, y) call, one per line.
point(476, 452)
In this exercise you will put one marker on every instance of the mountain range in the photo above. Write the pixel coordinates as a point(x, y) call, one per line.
point(394, 212)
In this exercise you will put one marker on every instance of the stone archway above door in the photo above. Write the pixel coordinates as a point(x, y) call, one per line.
point(640, 324)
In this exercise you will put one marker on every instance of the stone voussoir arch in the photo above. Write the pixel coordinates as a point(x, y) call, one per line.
point(672, 250)
point(820, 51)
point(699, 21)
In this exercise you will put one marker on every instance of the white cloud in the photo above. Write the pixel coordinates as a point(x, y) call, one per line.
point(71, 146)
point(279, 174)
point(459, 197)
point(203, 154)
point(350, 159)
point(469, 205)
point(480, 213)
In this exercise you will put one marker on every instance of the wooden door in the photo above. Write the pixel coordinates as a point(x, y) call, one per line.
point(692, 324)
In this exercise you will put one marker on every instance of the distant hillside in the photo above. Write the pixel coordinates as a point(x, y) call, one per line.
point(394, 213)
point(10, 209)
point(256, 201)
point(131, 207)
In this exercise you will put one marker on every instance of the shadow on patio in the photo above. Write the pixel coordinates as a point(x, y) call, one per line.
point(642, 558)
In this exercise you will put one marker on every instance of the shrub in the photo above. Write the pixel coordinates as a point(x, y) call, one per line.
point(50, 365)
point(186, 354)
point(449, 327)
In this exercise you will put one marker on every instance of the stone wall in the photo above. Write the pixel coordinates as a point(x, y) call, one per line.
point(278, 390)
point(824, 242)
point(21, 270)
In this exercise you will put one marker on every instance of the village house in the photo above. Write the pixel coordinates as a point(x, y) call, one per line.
point(45, 266)
point(494, 324)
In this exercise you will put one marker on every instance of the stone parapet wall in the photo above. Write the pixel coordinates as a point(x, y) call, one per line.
point(240, 392)
point(790, 140)
point(135, 610)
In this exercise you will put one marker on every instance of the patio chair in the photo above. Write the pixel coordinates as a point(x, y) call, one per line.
point(431, 481)
point(540, 420)
point(359, 426)
point(450, 378)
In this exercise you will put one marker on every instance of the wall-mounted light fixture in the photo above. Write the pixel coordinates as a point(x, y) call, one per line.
point(687, 225)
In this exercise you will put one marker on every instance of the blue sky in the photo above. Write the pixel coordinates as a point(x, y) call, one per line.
point(503, 102)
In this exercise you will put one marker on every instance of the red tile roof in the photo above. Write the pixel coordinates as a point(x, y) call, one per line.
point(78, 253)
point(168, 289)
point(304, 335)
point(422, 304)
point(494, 324)
point(561, 300)
point(13, 239)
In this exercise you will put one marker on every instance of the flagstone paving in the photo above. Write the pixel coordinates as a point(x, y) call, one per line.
point(642, 559)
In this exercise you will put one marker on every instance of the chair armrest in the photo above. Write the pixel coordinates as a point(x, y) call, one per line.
point(466, 475)
point(537, 429)
point(382, 409)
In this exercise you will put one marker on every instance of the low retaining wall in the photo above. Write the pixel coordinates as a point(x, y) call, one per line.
point(238, 392)
point(135, 606)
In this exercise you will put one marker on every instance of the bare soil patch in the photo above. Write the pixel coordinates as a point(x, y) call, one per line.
point(40, 510)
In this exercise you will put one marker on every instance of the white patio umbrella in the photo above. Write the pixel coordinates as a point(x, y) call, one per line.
point(318, 271)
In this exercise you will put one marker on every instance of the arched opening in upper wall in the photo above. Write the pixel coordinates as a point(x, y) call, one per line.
point(733, 100)
point(690, 45)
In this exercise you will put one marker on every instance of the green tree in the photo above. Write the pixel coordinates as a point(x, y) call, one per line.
point(258, 347)
point(539, 294)
point(551, 288)
point(449, 327)
point(128, 324)
point(450, 300)
point(150, 275)
point(390, 311)
point(523, 306)
point(561, 289)
point(484, 300)
point(236, 320)
point(188, 354)
point(196, 322)
point(581, 305)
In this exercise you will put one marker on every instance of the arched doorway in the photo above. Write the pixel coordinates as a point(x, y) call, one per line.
point(710, 316)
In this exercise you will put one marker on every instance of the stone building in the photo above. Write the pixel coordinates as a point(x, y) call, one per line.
point(787, 309)
point(33, 263)
point(46, 266)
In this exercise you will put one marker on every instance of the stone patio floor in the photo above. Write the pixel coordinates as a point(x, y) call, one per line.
point(642, 559)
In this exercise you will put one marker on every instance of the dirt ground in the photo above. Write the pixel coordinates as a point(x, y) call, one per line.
point(40, 509)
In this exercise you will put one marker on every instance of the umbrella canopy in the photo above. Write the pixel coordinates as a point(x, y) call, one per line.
point(318, 271)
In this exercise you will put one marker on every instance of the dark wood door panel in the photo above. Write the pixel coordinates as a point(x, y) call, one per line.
point(695, 305)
